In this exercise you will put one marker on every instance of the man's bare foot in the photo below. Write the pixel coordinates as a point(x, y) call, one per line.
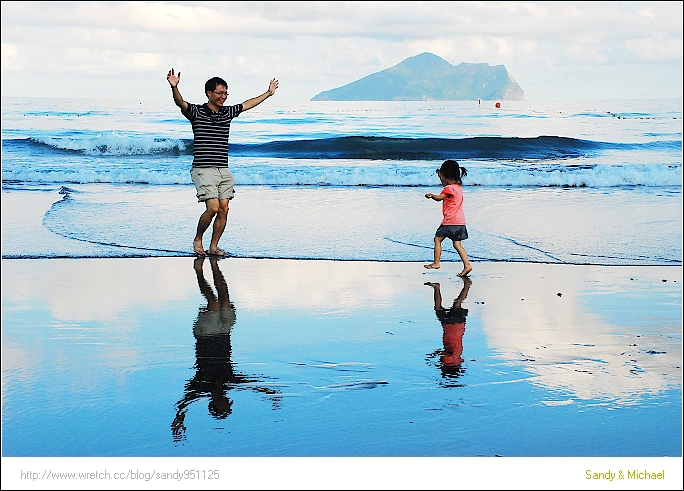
point(218, 252)
point(465, 271)
point(432, 266)
point(428, 283)
point(198, 247)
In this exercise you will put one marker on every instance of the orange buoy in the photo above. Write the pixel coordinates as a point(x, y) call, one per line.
point(497, 105)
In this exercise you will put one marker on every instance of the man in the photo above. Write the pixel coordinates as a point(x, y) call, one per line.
point(210, 173)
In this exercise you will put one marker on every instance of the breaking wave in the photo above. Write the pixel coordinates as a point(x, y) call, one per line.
point(348, 147)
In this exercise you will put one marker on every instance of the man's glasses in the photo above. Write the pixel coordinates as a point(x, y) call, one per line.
point(221, 94)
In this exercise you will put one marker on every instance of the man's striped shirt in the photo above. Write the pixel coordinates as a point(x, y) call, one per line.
point(211, 133)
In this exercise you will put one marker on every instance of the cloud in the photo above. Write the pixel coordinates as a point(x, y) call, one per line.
point(314, 46)
point(655, 49)
point(376, 20)
point(9, 57)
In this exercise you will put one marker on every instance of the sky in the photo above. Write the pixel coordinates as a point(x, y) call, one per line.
point(554, 50)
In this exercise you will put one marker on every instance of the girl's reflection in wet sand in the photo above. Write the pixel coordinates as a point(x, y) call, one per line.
point(453, 324)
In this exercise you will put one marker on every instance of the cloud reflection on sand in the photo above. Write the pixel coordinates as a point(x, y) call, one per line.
point(572, 347)
point(100, 289)
point(115, 343)
point(328, 287)
point(567, 343)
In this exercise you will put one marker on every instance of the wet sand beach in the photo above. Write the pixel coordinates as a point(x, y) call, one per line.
point(116, 357)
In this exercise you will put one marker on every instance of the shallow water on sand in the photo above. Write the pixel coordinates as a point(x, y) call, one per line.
point(546, 225)
point(160, 357)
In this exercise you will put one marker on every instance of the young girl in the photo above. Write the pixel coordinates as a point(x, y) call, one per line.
point(453, 225)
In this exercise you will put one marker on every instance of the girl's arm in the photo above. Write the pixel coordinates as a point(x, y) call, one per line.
point(437, 197)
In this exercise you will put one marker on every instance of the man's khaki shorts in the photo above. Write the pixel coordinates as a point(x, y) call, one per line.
point(213, 182)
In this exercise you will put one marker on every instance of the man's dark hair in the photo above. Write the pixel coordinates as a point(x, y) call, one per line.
point(211, 84)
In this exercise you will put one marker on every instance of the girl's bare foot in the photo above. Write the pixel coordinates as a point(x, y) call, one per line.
point(432, 266)
point(197, 247)
point(465, 271)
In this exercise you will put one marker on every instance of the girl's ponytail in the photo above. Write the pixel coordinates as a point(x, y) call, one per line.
point(451, 170)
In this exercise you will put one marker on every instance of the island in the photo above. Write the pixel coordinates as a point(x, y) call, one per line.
point(427, 77)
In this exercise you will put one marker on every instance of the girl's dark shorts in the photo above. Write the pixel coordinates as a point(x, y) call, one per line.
point(453, 232)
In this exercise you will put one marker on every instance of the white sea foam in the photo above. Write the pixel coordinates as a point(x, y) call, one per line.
point(91, 176)
point(114, 143)
point(381, 174)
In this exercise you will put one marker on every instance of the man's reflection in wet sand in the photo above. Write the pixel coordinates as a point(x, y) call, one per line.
point(453, 324)
point(214, 374)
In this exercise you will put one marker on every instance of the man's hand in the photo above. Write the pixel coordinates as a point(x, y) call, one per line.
point(175, 80)
point(255, 101)
point(177, 97)
point(272, 87)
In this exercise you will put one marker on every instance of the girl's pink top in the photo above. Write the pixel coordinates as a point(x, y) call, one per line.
point(452, 207)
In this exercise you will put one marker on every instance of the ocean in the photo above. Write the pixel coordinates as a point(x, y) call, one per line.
point(571, 182)
point(322, 334)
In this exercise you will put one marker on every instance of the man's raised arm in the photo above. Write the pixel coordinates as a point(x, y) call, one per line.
point(177, 97)
point(255, 101)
